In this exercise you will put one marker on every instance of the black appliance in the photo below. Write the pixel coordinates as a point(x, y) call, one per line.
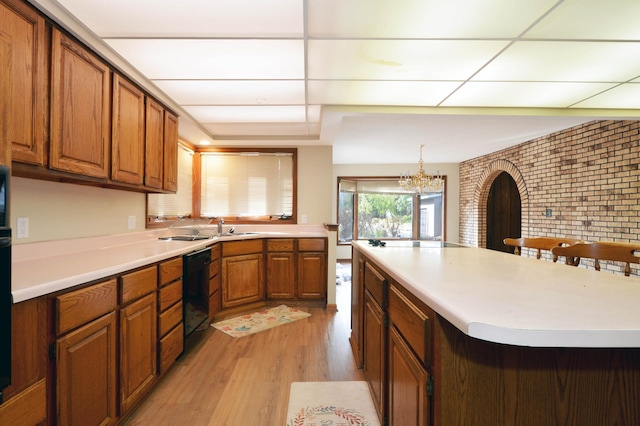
point(195, 281)
point(5, 282)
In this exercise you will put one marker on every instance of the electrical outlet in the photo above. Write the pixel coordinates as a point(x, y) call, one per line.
point(303, 219)
point(22, 230)
point(132, 222)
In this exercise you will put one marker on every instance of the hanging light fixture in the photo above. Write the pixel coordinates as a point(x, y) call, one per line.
point(421, 182)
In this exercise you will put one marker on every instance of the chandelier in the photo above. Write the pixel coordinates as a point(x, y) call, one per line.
point(421, 182)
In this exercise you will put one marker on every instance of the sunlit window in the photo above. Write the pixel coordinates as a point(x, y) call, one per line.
point(377, 208)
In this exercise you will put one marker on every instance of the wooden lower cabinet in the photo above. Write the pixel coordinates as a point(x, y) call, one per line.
point(242, 280)
point(407, 385)
point(312, 275)
point(86, 390)
point(138, 342)
point(375, 348)
point(25, 400)
point(281, 283)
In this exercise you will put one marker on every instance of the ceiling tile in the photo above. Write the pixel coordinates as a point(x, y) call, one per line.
point(249, 114)
point(564, 61)
point(234, 92)
point(591, 20)
point(411, 93)
point(261, 129)
point(213, 59)
point(423, 18)
point(398, 59)
point(622, 96)
point(523, 94)
point(190, 18)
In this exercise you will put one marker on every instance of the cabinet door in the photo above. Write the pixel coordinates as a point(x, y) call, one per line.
point(154, 144)
point(86, 374)
point(127, 149)
point(408, 401)
point(24, 66)
point(242, 280)
point(312, 275)
point(138, 342)
point(281, 275)
point(170, 160)
point(357, 310)
point(80, 109)
point(375, 337)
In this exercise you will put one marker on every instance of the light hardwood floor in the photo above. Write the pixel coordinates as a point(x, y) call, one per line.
point(225, 381)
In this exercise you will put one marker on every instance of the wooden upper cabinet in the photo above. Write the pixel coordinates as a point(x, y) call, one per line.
point(154, 145)
point(127, 143)
point(23, 49)
point(170, 181)
point(80, 109)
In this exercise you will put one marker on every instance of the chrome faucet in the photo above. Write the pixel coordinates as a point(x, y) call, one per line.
point(220, 223)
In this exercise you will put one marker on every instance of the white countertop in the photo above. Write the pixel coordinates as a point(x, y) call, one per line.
point(504, 298)
point(46, 267)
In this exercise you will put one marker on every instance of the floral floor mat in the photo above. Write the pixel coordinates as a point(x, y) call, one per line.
point(265, 319)
point(331, 403)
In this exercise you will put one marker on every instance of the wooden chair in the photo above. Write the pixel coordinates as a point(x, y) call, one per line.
point(619, 252)
point(539, 243)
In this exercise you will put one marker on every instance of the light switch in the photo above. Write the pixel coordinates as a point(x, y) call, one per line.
point(132, 222)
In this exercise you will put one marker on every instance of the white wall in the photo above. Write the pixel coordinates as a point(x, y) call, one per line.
point(62, 210)
point(452, 195)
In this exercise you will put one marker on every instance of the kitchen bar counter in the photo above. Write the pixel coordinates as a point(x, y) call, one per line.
point(503, 298)
point(46, 267)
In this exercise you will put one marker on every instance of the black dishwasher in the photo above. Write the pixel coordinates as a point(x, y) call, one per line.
point(195, 281)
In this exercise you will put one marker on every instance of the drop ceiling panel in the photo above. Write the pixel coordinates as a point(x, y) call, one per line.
point(622, 96)
point(423, 18)
point(250, 114)
point(213, 59)
point(235, 92)
point(591, 20)
point(223, 130)
point(398, 59)
point(412, 93)
point(190, 18)
point(565, 61)
point(523, 94)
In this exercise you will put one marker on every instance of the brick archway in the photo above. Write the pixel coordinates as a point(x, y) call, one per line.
point(481, 195)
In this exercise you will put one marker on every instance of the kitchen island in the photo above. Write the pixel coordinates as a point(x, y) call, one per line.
point(496, 338)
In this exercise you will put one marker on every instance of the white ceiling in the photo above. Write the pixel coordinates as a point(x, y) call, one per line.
point(376, 78)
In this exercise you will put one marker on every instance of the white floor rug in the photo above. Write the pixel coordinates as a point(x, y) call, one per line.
point(331, 403)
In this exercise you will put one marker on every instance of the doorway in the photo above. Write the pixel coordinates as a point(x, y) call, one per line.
point(504, 212)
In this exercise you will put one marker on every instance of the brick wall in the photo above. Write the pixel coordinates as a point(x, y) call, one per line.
point(587, 175)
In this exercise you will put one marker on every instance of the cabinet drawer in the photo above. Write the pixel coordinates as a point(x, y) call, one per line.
point(376, 284)
point(214, 268)
point(139, 283)
point(171, 347)
point(311, 244)
point(412, 323)
point(170, 294)
point(216, 251)
point(81, 306)
point(233, 248)
point(170, 318)
point(170, 271)
point(280, 244)
point(214, 284)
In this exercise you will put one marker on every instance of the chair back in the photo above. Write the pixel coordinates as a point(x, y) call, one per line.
point(618, 252)
point(539, 243)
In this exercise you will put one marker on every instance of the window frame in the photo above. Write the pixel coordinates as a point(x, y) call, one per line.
point(276, 220)
point(416, 208)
